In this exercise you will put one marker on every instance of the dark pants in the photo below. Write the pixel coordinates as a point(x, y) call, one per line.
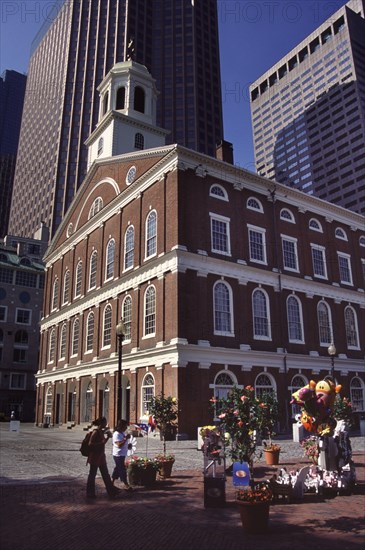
point(90, 487)
point(119, 470)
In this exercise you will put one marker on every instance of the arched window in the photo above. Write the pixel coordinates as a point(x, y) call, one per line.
point(151, 234)
point(298, 382)
point(218, 192)
point(139, 141)
point(287, 215)
point(264, 384)
point(127, 316)
point(55, 294)
point(75, 337)
point(352, 334)
point(63, 341)
point(129, 247)
point(254, 204)
point(223, 384)
point(120, 103)
point(295, 319)
point(25, 261)
point(139, 97)
point(223, 315)
point(93, 269)
point(362, 240)
point(324, 324)
point(96, 206)
point(78, 279)
point(100, 146)
point(52, 345)
point(148, 392)
point(66, 287)
point(107, 326)
point(357, 394)
point(21, 337)
point(150, 311)
point(49, 402)
point(340, 234)
point(110, 253)
point(106, 103)
point(315, 225)
point(261, 319)
point(90, 331)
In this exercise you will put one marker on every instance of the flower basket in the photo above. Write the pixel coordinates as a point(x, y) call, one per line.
point(254, 508)
point(166, 463)
point(142, 471)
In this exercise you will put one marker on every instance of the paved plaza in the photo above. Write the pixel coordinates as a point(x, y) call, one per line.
point(43, 504)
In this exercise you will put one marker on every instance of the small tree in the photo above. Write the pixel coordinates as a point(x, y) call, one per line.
point(165, 412)
point(269, 417)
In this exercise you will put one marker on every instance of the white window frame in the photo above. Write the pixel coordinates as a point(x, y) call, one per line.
point(294, 242)
point(89, 336)
point(152, 314)
point(128, 250)
point(93, 269)
point(150, 236)
point(261, 389)
point(17, 310)
point(300, 320)
point(110, 259)
point(144, 387)
point(357, 394)
point(18, 387)
point(78, 279)
point(107, 330)
point(226, 223)
point(262, 232)
point(223, 197)
point(66, 287)
point(290, 218)
point(55, 293)
point(267, 336)
point(315, 225)
point(340, 234)
point(325, 343)
point(322, 251)
point(362, 240)
point(127, 317)
point(355, 329)
point(346, 257)
point(257, 202)
point(63, 342)
point(222, 389)
point(96, 206)
point(75, 342)
point(229, 312)
point(52, 345)
point(5, 310)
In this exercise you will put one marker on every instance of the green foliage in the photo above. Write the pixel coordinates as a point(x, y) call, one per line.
point(165, 411)
point(342, 410)
point(269, 416)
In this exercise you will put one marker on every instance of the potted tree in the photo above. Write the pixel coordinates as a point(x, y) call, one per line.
point(164, 410)
point(240, 416)
point(269, 418)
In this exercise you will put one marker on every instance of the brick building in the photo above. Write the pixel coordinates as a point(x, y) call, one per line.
point(222, 277)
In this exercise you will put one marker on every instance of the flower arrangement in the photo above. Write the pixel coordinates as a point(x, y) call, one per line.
point(165, 412)
point(342, 410)
point(260, 492)
point(240, 417)
point(310, 446)
point(135, 462)
point(165, 457)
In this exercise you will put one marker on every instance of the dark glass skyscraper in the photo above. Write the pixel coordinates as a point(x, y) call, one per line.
point(12, 90)
point(176, 40)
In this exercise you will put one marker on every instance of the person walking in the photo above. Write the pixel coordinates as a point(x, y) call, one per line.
point(97, 459)
point(120, 449)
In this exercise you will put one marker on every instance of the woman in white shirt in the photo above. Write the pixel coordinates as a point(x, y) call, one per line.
point(120, 449)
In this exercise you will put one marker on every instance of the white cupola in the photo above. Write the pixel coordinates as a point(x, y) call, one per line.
point(127, 113)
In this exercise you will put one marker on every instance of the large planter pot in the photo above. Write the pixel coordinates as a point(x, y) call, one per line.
point(165, 468)
point(142, 476)
point(272, 456)
point(254, 516)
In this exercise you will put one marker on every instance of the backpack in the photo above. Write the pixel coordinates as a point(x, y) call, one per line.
point(85, 447)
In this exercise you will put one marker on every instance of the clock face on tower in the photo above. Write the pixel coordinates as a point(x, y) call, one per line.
point(131, 174)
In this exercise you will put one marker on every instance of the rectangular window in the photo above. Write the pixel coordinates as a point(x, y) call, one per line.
point(257, 244)
point(20, 355)
point(6, 275)
point(344, 266)
point(3, 313)
point(319, 261)
point(23, 316)
point(22, 278)
point(17, 381)
point(290, 255)
point(220, 234)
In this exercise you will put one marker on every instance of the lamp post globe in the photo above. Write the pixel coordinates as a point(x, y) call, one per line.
point(120, 331)
point(332, 352)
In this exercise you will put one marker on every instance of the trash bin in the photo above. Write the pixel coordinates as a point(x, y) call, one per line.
point(214, 492)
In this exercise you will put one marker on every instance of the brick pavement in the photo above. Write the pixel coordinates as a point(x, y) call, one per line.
point(171, 516)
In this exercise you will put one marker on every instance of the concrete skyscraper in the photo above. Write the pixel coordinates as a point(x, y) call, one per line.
point(178, 43)
point(308, 112)
point(12, 90)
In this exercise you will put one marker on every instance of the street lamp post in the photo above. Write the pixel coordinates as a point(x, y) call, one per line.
point(332, 352)
point(120, 330)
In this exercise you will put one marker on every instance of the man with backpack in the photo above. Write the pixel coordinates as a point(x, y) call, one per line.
point(97, 459)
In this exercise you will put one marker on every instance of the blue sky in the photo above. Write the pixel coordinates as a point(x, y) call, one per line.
point(253, 36)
